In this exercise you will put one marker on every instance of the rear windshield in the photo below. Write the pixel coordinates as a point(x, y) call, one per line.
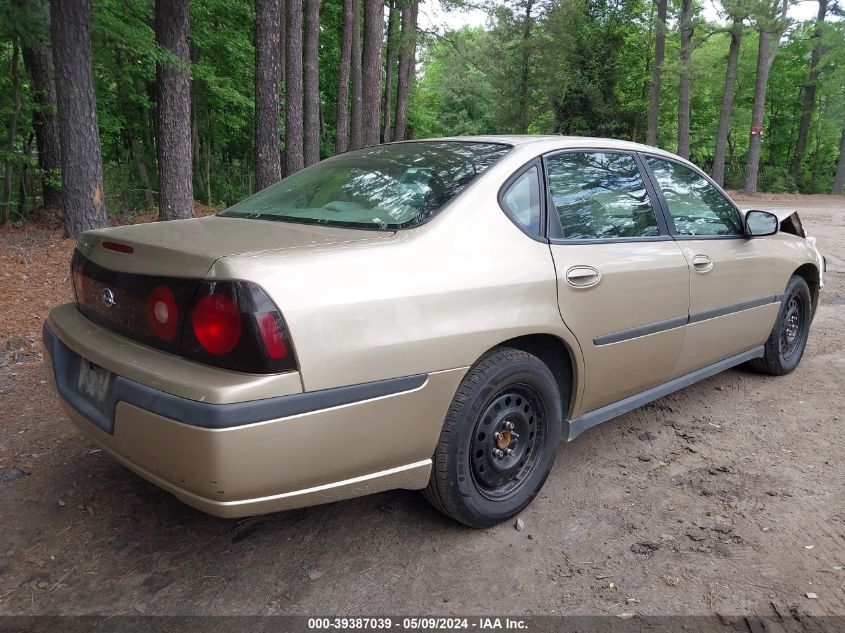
point(384, 187)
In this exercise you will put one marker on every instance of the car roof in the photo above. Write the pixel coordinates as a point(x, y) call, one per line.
point(545, 143)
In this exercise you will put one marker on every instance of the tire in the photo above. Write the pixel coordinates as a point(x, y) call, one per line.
point(506, 387)
point(785, 345)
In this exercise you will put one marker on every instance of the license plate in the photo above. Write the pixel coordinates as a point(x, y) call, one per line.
point(93, 381)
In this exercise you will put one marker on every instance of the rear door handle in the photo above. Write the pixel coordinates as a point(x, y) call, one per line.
point(582, 276)
point(702, 263)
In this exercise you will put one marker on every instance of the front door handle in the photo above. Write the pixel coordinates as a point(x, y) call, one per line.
point(582, 276)
point(702, 263)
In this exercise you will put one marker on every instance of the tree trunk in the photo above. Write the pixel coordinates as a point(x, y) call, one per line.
point(656, 74)
point(173, 129)
point(839, 178)
point(208, 161)
point(356, 122)
point(371, 72)
point(11, 134)
point(389, 71)
point(342, 125)
point(718, 169)
point(635, 127)
point(268, 160)
point(768, 47)
point(196, 168)
point(809, 94)
point(38, 60)
point(311, 81)
point(141, 169)
point(22, 181)
point(294, 156)
point(686, 27)
point(407, 63)
point(283, 23)
point(148, 120)
point(130, 131)
point(82, 170)
point(324, 133)
point(755, 142)
point(525, 70)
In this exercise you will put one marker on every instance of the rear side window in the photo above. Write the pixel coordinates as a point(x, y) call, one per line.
point(522, 201)
point(600, 195)
point(696, 206)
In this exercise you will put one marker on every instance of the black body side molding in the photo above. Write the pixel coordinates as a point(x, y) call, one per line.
point(695, 317)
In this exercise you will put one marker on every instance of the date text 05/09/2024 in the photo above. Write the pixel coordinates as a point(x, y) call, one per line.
point(418, 623)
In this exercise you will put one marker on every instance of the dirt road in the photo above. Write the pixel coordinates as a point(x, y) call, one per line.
point(727, 497)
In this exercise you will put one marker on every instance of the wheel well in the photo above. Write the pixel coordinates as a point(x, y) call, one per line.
point(557, 357)
point(811, 275)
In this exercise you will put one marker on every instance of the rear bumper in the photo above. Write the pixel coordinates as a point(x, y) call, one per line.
point(243, 458)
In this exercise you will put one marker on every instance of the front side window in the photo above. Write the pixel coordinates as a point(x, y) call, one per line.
point(696, 206)
point(600, 195)
point(386, 187)
point(522, 201)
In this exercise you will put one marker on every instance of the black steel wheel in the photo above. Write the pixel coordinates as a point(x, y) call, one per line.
point(499, 439)
point(507, 441)
point(785, 346)
point(792, 327)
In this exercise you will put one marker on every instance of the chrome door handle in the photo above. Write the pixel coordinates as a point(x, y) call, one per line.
point(582, 276)
point(702, 263)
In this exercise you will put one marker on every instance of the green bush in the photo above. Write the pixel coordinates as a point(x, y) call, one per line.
point(776, 180)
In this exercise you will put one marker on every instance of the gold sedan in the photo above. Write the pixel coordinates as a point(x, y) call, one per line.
point(431, 315)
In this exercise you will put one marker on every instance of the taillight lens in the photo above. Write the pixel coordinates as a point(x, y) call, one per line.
point(235, 325)
point(272, 333)
point(163, 313)
point(217, 323)
point(77, 274)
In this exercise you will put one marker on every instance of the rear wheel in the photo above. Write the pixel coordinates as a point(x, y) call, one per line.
point(785, 345)
point(499, 439)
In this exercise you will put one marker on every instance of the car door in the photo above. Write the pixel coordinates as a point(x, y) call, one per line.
point(732, 303)
point(623, 283)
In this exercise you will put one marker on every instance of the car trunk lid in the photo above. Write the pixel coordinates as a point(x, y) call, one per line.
point(188, 248)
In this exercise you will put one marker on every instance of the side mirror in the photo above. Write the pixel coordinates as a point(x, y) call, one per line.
point(760, 223)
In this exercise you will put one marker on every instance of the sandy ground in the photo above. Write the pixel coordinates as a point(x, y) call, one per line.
point(727, 497)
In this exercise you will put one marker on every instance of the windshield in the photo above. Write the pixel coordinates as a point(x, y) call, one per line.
point(383, 187)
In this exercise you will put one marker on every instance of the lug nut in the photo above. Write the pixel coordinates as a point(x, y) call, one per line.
point(509, 424)
point(509, 452)
point(498, 453)
point(496, 435)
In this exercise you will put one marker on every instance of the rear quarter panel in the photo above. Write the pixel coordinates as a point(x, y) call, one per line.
point(427, 299)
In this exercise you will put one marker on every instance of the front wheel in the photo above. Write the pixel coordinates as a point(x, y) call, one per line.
point(785, 346)
point(499, 439)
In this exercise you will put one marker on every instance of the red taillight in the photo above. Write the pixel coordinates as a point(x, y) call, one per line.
point(235, 325)
point(117, 247)
point(163, 313)
point(217, 324)
point(271, 334)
